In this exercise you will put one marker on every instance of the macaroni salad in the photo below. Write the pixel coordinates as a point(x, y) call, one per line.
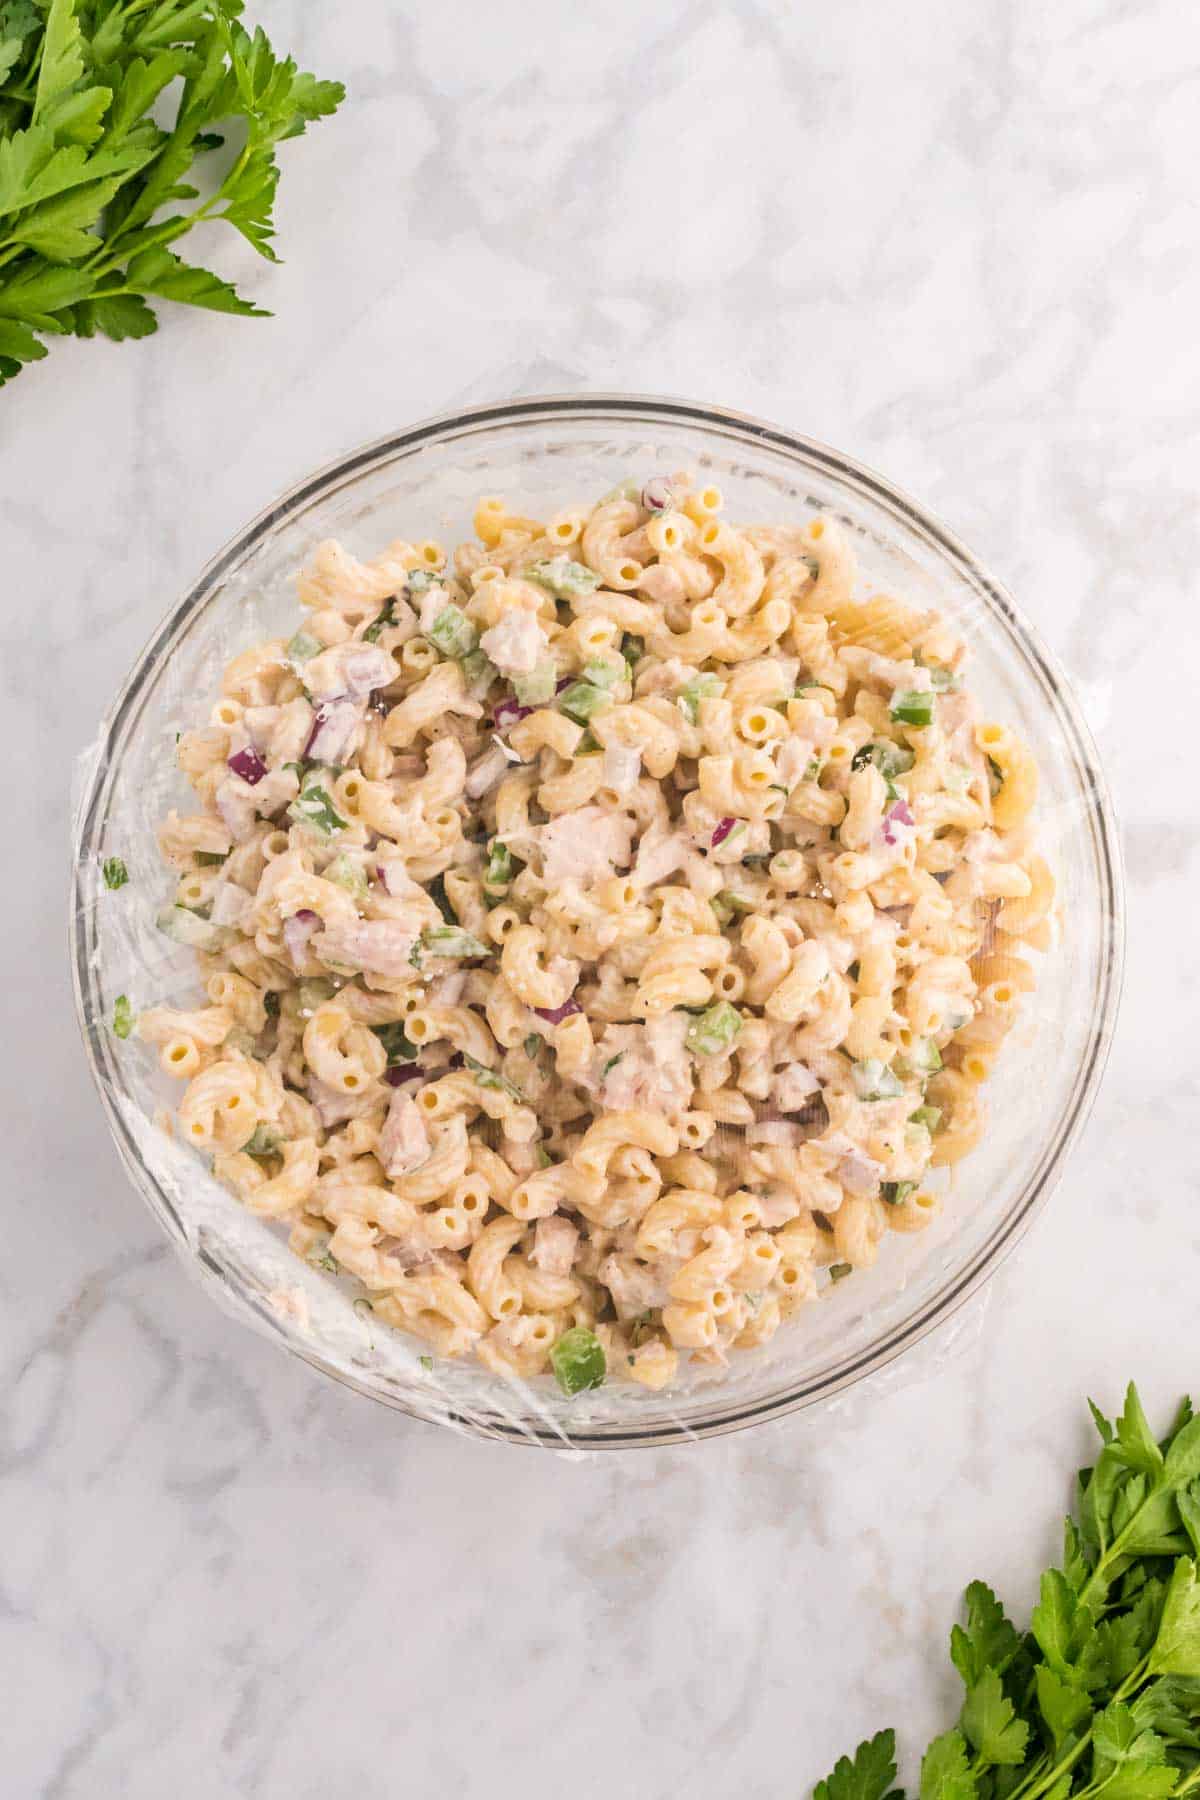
point(604, 929)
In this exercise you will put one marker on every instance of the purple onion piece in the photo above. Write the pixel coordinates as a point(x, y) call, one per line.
point(554, 1015)
point(249, 765)
point(456, 1061)
point(657, 495)
point(563, 683)
point(399, 1073)
point(509, 712)
point(722, 831)
point(897, 814)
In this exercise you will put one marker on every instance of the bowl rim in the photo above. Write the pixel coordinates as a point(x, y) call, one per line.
point(90, 811)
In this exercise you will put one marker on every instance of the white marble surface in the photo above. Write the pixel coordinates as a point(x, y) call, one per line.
point(959, 241)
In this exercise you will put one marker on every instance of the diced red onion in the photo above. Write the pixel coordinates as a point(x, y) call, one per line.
point(509, 712)
point(297, 930)
point(722, 831)
point(334, 726)
point(897, 814)
point(366, 668)
point(563, 683)
point(249, 765)
point(657, 494)
point(554, 1015)
point(399, 1073)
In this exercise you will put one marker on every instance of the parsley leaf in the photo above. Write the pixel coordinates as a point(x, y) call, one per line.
point(944, 1771)
point(867, 1775)
point(115, 872)
point(94, 191)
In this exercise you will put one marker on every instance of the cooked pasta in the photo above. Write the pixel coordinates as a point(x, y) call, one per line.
point(605, 929)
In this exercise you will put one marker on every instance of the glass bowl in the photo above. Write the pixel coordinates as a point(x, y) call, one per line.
point(543, 453)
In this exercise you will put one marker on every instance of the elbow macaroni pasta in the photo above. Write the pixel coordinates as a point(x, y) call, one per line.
point(611, 925)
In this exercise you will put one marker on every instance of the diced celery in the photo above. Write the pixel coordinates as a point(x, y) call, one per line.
point(578, 1360)
point(705, 686)
point(302, 647)
point(714, 1030)
point(349, 875)
point(913, 706)
point(873, 1080)
point(537, 687)
point(452, 632)
point(187, 927)
point(603, 674)
point(123, 1017)
point(582, 699)
point(928, 1116)
point(921, 1058)
point(565, 579)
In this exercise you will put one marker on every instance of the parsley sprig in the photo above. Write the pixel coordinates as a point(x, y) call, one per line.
point(1100, 1699)
point(91, 185)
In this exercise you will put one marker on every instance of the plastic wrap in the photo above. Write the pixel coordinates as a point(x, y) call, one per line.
point(427, 479)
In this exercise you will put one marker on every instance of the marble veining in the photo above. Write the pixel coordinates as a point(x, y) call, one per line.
point(958, 241)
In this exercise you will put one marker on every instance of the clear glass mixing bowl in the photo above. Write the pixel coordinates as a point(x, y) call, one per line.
point(542, 453)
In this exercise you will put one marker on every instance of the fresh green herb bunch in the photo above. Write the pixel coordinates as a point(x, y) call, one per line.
point(1101, 1697)
point(91, 185)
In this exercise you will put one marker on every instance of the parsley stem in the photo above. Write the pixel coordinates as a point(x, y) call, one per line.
point(1133, 1680)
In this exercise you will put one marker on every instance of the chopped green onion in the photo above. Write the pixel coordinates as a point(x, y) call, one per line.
point(928, 1116)
point(582, 699)
point(452, 632)
point(349, 875)
point(578, 1360)
point(945, 681)
point(537, 687)
point(302, 647)
point(122, 1017)
point(499, 871)
point(396, 1043)
point(314, 808)
point(533, 1044)
point(380, 623)
point(701, 687)
point(714, 1030)
point(890, 759)
point(329, 1263)
point(611, 1063)
point(426, 1362)
point(632, 649)
point(913, 706)
point(115, 873)
point(446, 940)
point(873, 1080)
point(565, 579)
point(263, 1141)
point(588, 745)
point(894, 1192)
point(418, 581)
point(488, 1078)
point(839, 1271)
point(545, 1160)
